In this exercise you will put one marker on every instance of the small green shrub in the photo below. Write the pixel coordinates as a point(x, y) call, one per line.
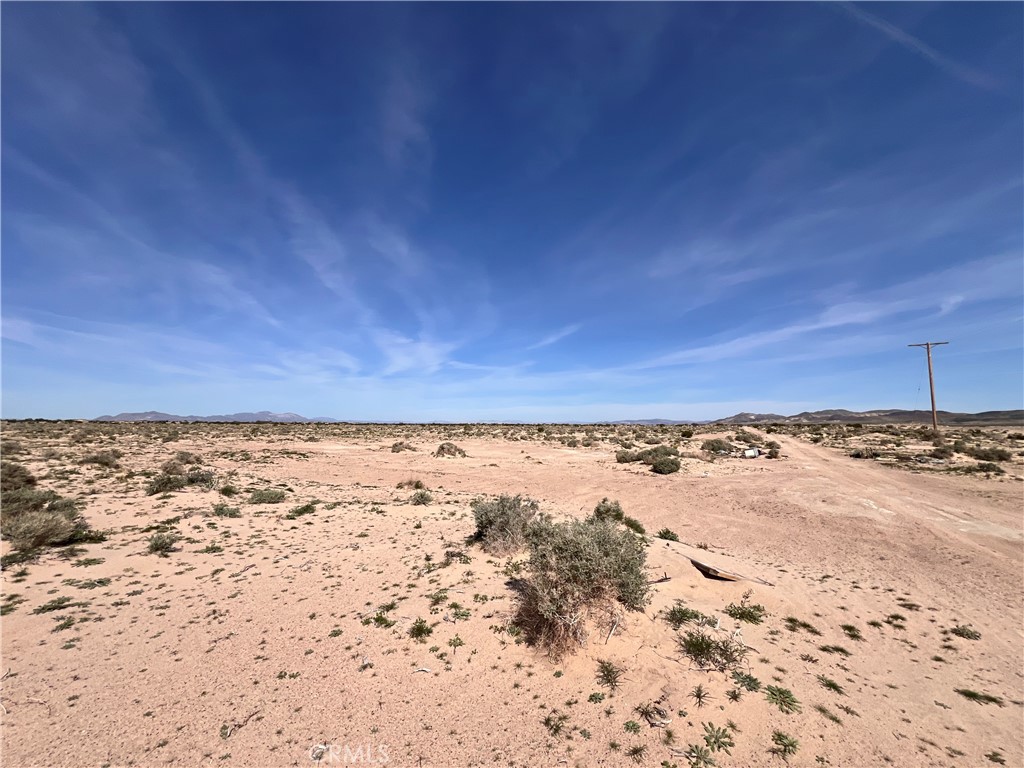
point(667, 534)
point(223, 510)
point(634, 525)
point(420, 630)
point(626, 457)
point(782, 698)
point(421, 498)
point(989, 454)
point(162, 544)
point(785, 745)
point(665, 465)
point(267, 496)
point(679, 614)
point(965, 632)
point(102, 458)
point(709, 652)
point(608, 510)
point(650, 456)
point(306, 509)
point(400, 446)
point(165, 483)
point(609, 675)
point(744, 611)
point(717, 445)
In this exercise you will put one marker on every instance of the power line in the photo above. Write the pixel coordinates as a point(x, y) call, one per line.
point(931, 378)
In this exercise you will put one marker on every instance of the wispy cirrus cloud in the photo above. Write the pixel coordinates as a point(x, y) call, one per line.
point(557, 336)
point(915, 45)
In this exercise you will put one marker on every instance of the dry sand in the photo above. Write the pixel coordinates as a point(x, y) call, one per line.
point(255, 654)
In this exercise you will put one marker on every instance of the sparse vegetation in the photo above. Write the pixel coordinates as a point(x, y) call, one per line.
point(744, 611)
point(267, 496)
point(161, 544)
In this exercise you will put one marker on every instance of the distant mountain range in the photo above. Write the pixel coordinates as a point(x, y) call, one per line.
point(259, 416)
point(835, 416)
point(840, 416)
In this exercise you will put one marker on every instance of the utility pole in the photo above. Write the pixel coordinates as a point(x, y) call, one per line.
point(931, 378)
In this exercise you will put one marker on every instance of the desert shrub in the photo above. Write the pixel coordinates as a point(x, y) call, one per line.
point(665, 465)
point(667, 534)
point(229, 490)
point(412, 483)
point(679, 614)
point(187, 457)
point(634, 525)
point(651, 455)
point(14, 476)
point(742, 436)
point(744, 611)
point(102, 458)
point(267, 496)
point(172, 467)
point(710, 652)
point(686, 432)
point(39, 528)
point(987, 467)
point(33, 517)
point(200, 477)
point(449, 449)
point(161, 544)
point(988, 454)
point(608, 510)
point(717, 445)
point(400, 446)
point(942, 452)
point(626, 457)
point(305, 509)
point(502, 524)
point(11, 447)
point(165, 483)
point(420, 630)
point(421, 498)
point(223, 510)
point(578, 570)
point(864, 453)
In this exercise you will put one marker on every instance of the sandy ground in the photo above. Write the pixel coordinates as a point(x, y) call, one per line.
point(255, 651)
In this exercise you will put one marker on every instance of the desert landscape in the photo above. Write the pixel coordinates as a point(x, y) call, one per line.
point(328, 594)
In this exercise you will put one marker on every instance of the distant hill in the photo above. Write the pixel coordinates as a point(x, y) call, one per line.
point(840, 416)
point(259, 416)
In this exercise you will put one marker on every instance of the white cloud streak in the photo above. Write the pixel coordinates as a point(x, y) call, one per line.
point(915, 45)
point(557, 336)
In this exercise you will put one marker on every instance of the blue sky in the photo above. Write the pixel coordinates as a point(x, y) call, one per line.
point(521, 212)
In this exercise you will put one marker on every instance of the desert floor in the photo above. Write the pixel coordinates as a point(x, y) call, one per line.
point(249, 644)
